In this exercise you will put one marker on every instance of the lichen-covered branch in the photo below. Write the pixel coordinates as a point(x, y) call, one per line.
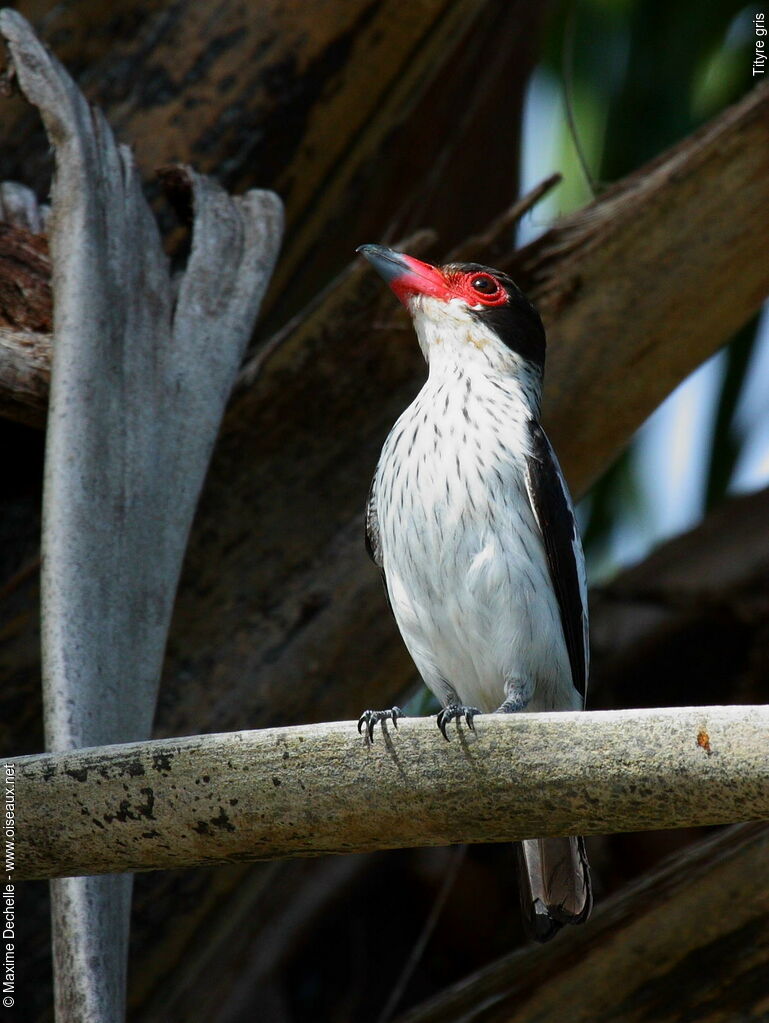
point(306, 790)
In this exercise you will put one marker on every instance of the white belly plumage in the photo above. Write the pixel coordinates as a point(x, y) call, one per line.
point(466, 569)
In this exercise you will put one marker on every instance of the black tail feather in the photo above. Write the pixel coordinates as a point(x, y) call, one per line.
point(554, 881)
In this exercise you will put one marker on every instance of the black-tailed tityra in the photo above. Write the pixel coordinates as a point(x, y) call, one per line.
point(471, 523)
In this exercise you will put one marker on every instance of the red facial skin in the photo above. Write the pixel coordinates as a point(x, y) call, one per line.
point(424, 279)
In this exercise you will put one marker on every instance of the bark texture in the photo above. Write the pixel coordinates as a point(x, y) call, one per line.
point(350, 111)
point(691, 622)
point(639, 288)
point(319, 788)
point(698, 927)
point(141, 373)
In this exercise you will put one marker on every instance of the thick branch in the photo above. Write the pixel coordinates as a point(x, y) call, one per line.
point(25, 364)
point(315, 789)
point(642, 286)
point(272, 95)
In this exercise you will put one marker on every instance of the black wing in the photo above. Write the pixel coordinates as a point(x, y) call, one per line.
point(552, 507)
point(373, 543)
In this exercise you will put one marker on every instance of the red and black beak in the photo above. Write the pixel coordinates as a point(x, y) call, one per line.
point(405, 275)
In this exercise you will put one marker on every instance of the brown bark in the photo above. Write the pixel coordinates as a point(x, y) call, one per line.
point(642, 286)
point(670, 630)
point(25, 357)
point(26, 307)
point(307, 101)
point(25, 280)
point(688, 941)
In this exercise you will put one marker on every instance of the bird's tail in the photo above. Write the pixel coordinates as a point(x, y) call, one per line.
point(554, 881)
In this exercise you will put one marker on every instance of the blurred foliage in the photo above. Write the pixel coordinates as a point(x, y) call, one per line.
point(636, 76)
point(726, 440)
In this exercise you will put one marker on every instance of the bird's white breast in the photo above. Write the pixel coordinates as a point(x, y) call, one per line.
point(466, 569)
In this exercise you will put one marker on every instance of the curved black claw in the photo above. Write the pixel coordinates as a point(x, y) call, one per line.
point(369, 718)
point(458, 711)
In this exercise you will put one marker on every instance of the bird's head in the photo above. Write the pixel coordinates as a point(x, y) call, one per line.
point(465, 312)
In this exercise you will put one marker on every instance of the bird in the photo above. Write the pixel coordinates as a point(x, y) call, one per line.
point(470, 521)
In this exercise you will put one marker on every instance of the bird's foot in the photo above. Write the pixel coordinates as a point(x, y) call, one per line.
point(458, 711)
point(369, 719)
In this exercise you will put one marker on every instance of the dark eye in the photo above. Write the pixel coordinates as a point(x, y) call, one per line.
point(485, 285)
